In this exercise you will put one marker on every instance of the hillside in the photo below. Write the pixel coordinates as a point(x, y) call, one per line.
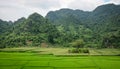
point(4, 26)
point(99, 28)
point(104, 22)
point(30, 32)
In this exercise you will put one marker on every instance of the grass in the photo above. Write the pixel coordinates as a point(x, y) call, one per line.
point(58, 58)
point(39, 61)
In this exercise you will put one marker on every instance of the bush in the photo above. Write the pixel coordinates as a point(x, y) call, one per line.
point(78, 43)
point(85, 50)
point(80, 50)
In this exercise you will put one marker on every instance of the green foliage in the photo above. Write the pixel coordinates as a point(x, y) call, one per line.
point(80, 50)
point(111, 40)
point(30, 32)
point(90, 26)
point(78, 43)
point(5, 27)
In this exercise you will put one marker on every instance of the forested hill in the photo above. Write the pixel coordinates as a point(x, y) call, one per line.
point(102, 16)
point(4, 26)
point(103, 22)
point(98, 28)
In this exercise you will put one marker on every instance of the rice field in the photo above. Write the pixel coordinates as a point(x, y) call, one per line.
point(48, 61)
point(58, 58)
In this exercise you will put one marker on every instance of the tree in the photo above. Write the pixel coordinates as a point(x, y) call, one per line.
point(78, 43)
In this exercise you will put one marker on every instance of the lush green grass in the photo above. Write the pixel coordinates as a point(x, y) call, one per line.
point(38, 61)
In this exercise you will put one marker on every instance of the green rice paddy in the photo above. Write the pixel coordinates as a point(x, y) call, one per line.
point(39, 61)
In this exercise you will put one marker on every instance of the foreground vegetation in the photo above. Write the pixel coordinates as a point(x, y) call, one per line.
point(42, 61)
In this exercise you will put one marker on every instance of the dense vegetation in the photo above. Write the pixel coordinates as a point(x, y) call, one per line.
point(99, 28)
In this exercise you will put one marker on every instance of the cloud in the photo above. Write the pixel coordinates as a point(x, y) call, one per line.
point(14, 9)
point(86, 5)
point(44, 4)
point(65, 3)
point(114, 1)
point(106, 0)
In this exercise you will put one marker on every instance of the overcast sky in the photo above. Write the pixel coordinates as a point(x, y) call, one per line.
point(14, 9)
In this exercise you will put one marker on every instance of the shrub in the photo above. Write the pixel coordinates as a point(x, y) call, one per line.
point(80, 50)
point(85, 50)
point(78, 43)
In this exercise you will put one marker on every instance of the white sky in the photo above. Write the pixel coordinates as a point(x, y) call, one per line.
point(14, 9)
